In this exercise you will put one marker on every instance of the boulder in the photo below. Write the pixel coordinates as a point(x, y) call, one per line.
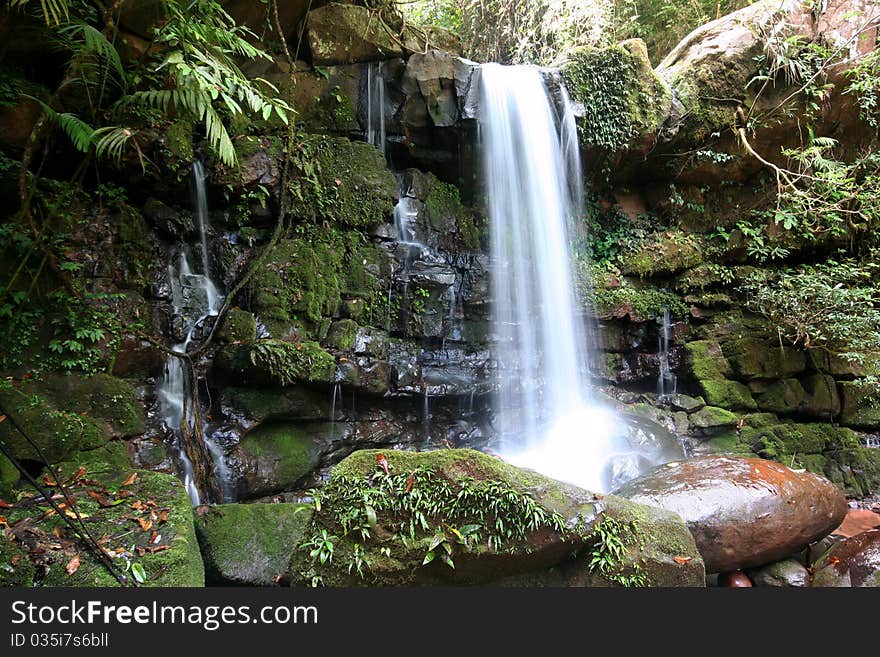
point(853, 562)
point(785, 573)
point(858, 406)
point(433, 75)
point(743, 512)
point(251, 544)
point(549, 532)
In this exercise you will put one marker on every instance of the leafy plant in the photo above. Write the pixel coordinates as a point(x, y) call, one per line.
point(613, 538)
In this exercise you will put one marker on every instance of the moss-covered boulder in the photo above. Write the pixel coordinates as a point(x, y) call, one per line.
point(491, 521)
point(276, 363)
point(624, 100)
point(238, 326)
point(340, 181)
point(123, 511)
point(753, 358)
point(251, 544)
point(728, 394)
point(784, 397)
point(342, 335)
point(260, 403)
point(304, 280)
point(712, 417)
point(276, 456)
point(67, 413)
point(668, 255)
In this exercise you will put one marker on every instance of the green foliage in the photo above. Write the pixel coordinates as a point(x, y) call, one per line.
point(54, 11)
point(613, 538)
point(865, 84)
point(834, 306)
point(289, 362)
point(423, 508)
point(79, 132)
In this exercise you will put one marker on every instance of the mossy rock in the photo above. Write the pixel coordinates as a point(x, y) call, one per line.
point(706, 360)
point(712, 417)
point(262, 403)
point(729, 442)
point(668, 256)
point(15, 567)
point(67, 413)
point(238, 326)
point(860, 405)
point(277, 455)
point(625, 101)
point(639, 304)
point(822, 398)
point(447, 215)
point(342, 335)
point(785, 397)
point(753, 358)
point(178, 565)
point(251, 544)
point(656, 536)
point(340, 181)
point(276, 362)
point(728, 394)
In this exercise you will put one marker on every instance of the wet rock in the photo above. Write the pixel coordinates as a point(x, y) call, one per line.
point(685, 403)
point(712, 417)
point(742, 512)
point(858, 406)
point(251, 544)
point(238, 326)
point(174, 223)
point(734, 580)
point(854, 562)
point(785, 573)
point(345, 34)
point(371, 342)
point(434, 75)
point(138, 359)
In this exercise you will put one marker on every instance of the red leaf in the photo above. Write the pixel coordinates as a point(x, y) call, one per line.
point(5, 505)
point(158, 548)
point(682, 560)
point(102, 501)
point(409, 483)
point(79, 473)
point(383, 462)
point(130, 479)
point(3, 521)
point(50, 481)
point(72, 565)
point(834, 561)
point(163, 517)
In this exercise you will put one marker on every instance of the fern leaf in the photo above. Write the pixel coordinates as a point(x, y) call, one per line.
point(79, 132)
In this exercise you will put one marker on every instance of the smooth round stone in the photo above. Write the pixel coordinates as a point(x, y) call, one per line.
point(853, 562)
point(735, 580)
point(785, 573)
point(742, 512)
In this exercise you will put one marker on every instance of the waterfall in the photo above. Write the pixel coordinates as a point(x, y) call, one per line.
point(195, 298)
point(666, 379)
point(545, 412)
point(375, 111)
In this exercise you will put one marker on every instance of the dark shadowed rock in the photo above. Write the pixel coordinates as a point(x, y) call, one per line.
point(854, 562)
point(742, 512)
point(785, 573)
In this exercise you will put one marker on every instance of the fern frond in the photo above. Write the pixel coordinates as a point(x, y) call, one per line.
point(79, 131)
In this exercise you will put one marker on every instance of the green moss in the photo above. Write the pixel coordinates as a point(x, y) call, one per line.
point(756, 358)
point(710, 417)
point(179, 565)
point(179, 139)
point(238, 326)
point(15, 568)
point(449, 217)
point(342, 334)
point(706, 360)
point(340, 181)
point(727, 394)
point(288, 450)
point(665, 253)
point(251, 544)
point(640, 304)
point(277, 362)
point(729, 442)
point(784, 397)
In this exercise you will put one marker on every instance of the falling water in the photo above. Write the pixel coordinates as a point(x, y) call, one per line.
point(375, 95)
point(666, 379)
point(195, 298)
point(336, 388)
point(546, 416)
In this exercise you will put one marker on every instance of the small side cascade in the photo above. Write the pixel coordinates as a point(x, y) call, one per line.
point(375, 101)
point(666, 380)
point(195, 299)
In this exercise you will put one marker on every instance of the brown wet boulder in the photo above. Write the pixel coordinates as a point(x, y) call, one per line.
point(853, 562)
point(743, 512)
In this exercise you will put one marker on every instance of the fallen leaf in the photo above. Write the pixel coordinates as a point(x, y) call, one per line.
point(154, 536)
point(72, 565)
point(50, 481)
point(158, 548)
point(833, 561)
point(124, 493)
point(74, 514)
point(130, 479)
point(383, 462)
point(145, 523)
point(56, 532)
point(141, 551)
point(163, 517)
point(138, 506)
point(682, 560)
point(2, 418)
point(3, 521)
point(79, 473)
point(409, 483)
point(102, 501)
point(5, 505)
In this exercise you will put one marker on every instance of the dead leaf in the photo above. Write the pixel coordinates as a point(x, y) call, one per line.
point(154, 536)
point(138, 506)
point(3, 521)
point(79, 473)
point(72, 565)
point(56, 532)
point(130, 479)
point(158, 548)
point(49, 481)
point(2, 418)
point(74, 514)
point(5, 505)
point(833, 561)
point(682, 560)
point(145, 523)
point(409, 483)
point(141, 551)
point(102, 501)
point(124, 493)
point(383, 462)
point(163, 517)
